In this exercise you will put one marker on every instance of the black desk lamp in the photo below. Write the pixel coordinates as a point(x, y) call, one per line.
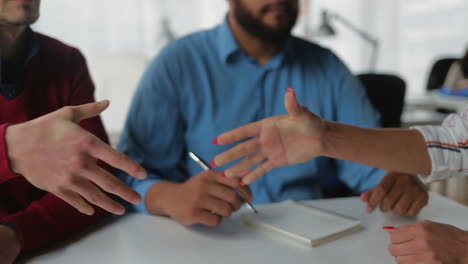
point(326, 29)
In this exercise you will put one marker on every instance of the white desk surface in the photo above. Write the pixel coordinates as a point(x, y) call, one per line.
point(433, 99)
point(138, 238)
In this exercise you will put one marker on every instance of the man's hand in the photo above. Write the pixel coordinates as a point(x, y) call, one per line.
point(55, 154)
point(276, 141)
point(400, 193)
point(205, 198)
point(10, 245)
point(429, 242)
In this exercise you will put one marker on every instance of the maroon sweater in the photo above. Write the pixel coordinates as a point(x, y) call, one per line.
point(57, 76)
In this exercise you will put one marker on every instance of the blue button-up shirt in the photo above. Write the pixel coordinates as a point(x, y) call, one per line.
point(204, 84)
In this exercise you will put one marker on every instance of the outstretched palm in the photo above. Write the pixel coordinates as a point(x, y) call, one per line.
point(275, 142)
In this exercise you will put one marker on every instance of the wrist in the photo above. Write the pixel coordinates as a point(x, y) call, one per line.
point(329, 134)
point(160, 197)
point(13, 140)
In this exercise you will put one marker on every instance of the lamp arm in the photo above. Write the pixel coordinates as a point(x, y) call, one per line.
point(354, 28)
point(364, 35)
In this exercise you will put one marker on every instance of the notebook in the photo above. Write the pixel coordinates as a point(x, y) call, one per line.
point(304, 223)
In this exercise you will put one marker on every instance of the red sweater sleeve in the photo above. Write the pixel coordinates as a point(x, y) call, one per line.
point(5, 171)
point(50, 219)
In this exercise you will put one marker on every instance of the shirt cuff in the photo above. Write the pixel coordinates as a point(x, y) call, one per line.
point(5, 172)
point(445, 158)
point(142, 188)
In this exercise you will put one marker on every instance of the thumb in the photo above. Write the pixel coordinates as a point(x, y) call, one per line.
point(291, 104)
point(85, 111)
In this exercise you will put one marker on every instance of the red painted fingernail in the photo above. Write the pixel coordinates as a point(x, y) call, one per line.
point(290, 89)
point(215, 141)
point(224, 174)
point(389, 227)
point(213, 163)
point(242, 183)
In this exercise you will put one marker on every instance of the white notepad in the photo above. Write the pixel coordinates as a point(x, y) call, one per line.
point(307, 224)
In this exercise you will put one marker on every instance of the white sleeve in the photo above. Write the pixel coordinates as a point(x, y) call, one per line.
point(448, 147)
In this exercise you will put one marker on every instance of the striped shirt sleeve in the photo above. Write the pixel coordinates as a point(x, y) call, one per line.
point(448, 147)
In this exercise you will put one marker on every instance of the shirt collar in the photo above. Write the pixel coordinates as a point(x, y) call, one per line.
point(227, 43)
point(228, 46)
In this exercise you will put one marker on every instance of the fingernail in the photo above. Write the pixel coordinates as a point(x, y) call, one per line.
point(213, 163)
point(224, 174)
point(215, 141)
point(242, 183)
point(389, 227)
point(290, 89)
point(136, 200)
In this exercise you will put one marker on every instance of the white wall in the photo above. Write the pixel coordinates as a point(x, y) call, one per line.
point(412, 34)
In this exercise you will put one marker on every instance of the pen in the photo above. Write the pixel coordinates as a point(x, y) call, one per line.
point(206, 167)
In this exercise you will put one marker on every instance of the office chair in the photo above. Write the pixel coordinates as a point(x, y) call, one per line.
point(387, 95)
point(438, 73)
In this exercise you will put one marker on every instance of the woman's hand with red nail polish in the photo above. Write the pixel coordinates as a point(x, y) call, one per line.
point(274, 142)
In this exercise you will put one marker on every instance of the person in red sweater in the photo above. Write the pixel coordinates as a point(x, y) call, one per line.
point(42, 82)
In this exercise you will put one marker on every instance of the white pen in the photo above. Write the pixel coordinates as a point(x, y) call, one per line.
point(206, 167)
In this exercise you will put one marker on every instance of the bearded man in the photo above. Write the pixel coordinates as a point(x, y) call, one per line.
point(213, 81)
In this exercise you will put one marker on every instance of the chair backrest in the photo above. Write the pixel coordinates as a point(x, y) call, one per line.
point(438, 73)
point(387, 94)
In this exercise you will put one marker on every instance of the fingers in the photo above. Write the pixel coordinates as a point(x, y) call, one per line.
point(112, 184)
point(207, 218)
point(379, 192)
point(290, 102)
point(94, 195)
point(226, 194)
point(417, 206)
point(239, 133)
point(217, 206)
point(403, 234)
point(391, 199)
point(245, 165)
point(85, 111)
point(76, 201)
point(403, 205)
point(116, 159)
point(258, 172)
point(406, 248)
point(417, 258)
point(235, 184)
point(241, 150)
point(366, 196)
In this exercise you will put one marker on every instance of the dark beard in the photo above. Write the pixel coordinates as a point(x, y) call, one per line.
point(255, 27)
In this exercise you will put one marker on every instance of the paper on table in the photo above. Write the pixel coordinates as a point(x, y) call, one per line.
point(304, 223)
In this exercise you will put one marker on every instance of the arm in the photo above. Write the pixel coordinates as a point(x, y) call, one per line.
point(353, 107)
point(281, 139)
point(50, 218)
point(401, 150)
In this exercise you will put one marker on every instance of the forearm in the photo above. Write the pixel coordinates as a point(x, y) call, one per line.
point(49, 220)
point(400, 150)
point(5, 167)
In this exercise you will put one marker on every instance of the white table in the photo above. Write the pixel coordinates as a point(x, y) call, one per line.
point(138, 238)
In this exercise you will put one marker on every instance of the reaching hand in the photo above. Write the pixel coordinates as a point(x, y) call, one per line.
point(55, 154)
point(274, 142)
point(400, 193)
point(429, 242)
